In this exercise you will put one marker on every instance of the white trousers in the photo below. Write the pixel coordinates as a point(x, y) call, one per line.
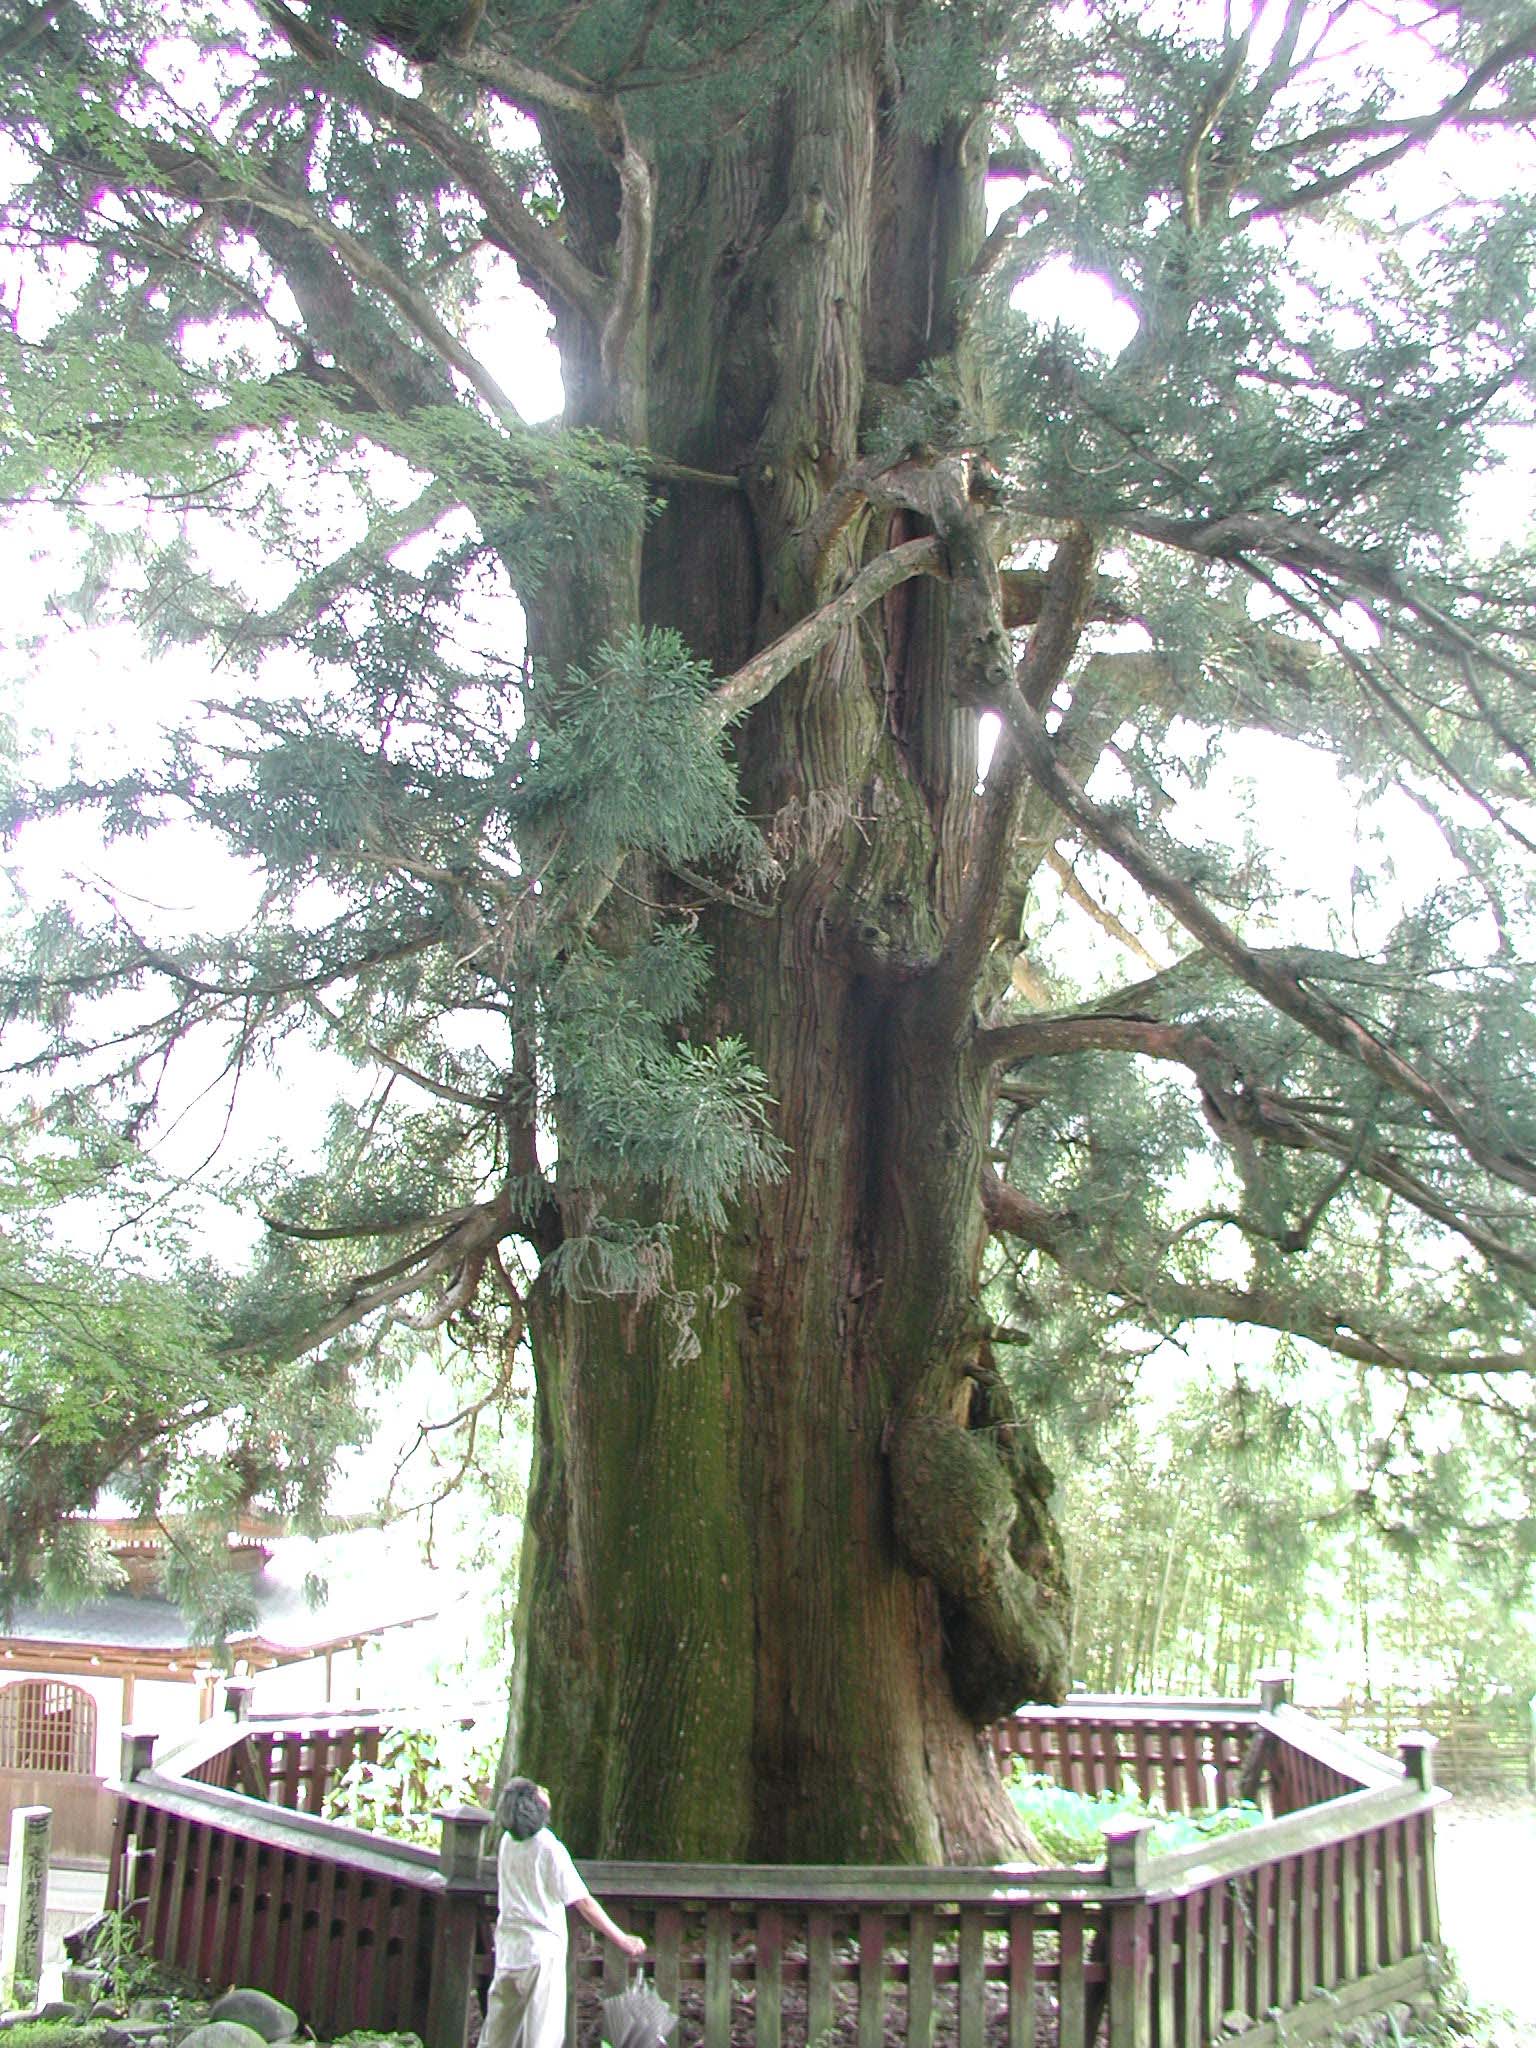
point(526, 2008)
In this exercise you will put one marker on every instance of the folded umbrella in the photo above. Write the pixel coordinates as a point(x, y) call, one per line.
point(637, 2018)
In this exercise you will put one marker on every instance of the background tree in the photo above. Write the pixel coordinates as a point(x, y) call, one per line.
point(696, 943)
point(1250, 1529)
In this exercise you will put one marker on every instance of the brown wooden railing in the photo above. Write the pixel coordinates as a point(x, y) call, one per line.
point(1324, 1910)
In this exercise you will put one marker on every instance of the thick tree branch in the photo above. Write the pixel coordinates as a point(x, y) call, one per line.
point(1164, 1301)
point(755, 679)
point(1103, 917)
point(1415, 133)
point(414, 306)
point(631, 297)
point(1011, 1213)
point(443, 1090)
point(1340, 1333)
point(1068, 592)
point(1277, 984)
point(463, 1245)
point(543, 258)
point(1240, 1113)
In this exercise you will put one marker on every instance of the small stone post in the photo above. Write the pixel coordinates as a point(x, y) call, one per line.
point(26, 1903)
point(453, 1949)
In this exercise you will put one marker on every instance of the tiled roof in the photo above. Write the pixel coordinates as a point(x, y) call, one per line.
point(374, 1580)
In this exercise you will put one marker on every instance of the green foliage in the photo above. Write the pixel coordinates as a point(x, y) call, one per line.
point(56, 2034)
point(1068, 1827)
point(114, 1360)
point(116, 1947)
point(524, 888)
point(630, 763)
point(417, 1771)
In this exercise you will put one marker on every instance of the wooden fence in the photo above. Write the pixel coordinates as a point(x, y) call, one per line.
point(1324, 1910)
point(1487, 1746)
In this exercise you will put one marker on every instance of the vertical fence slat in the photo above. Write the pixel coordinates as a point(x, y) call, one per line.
point(1213, 2003)
point(162, 1878)
point(920, 1940)
point(1370, 1849)
point(871, 1979)
point(717, 1976)
point(1266, 1928)
point(1072, 1992)
point(1144, 1763)
point(818, 1973)
point(1309, 1889)
point(1329, 1918)
point(1349, 1909)
point(1129, 1967)
point(1165, 2017)
point(1283, 1944)
point(251, 1855)
point(1392, 1893)
point(1192, 1975)
point(1194, 1777)
point(667, 1953)
point(973, 1982)
point(372, 1935)
point(768, 1977)
point(1240, 1934)
point(1021, 1977)
point(1413, 1881)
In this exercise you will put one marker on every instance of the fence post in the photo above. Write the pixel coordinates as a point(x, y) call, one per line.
point(137, 1754)
point(1417, 1751)
point(1274, 1691)
point(453, 1949)
point(237, 1698)
point(26, 1905)
point(1127, 1854)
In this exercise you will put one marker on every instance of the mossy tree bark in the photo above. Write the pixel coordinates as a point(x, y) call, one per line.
point(784, 1564)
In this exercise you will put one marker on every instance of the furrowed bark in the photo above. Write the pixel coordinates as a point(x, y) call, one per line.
point(788, 1550)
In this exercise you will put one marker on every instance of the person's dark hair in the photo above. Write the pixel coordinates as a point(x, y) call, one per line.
point(522, 1808)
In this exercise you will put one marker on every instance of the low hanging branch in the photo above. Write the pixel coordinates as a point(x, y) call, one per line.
point(1166, 1302)
point(542, 258)
point(1277, 984)
point(460, 1252)
point(1240, 1114)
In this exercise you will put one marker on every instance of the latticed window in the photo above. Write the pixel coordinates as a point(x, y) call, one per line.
point(46, 1725)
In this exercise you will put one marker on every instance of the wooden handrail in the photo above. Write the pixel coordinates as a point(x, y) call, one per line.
point(1317, 1827)
point(281, 1826)
point(1325, 1906)
point(1339, 1752)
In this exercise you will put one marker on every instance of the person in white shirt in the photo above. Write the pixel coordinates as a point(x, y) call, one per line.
point(535, 1882)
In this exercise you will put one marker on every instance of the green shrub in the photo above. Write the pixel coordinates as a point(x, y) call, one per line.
point(1069, 1826)
point(418, 1770)
point(55, 2034)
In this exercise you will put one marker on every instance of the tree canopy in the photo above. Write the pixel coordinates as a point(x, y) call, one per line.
point(809, 853)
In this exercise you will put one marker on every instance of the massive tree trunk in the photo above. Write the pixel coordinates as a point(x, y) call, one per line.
point(788, 1549)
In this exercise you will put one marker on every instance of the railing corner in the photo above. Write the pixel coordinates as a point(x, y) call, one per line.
point(461, 1842)
point(1416, 1749)
point(1274, 1691)
point(1127, 1854)
point(137, 1754)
